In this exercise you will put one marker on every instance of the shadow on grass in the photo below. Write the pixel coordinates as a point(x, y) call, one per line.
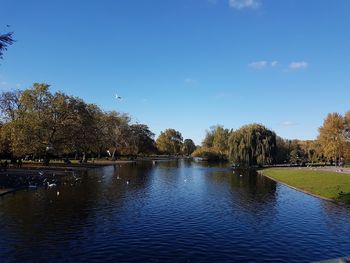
point(344, 197)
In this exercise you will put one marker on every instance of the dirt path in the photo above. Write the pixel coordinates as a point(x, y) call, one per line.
point(335, 169)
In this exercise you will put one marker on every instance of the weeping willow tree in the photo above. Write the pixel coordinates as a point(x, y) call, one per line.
point(252, 144)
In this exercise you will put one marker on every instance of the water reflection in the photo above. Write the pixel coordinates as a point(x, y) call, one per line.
point(253, 191)
point(171, 211)
point(336, 217)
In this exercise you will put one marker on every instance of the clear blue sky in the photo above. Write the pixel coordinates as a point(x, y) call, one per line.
point(188, 64)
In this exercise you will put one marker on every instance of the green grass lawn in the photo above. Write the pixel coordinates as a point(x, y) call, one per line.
point(331, 185)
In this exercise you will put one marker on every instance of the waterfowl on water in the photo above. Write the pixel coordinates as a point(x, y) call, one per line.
point(51, 185)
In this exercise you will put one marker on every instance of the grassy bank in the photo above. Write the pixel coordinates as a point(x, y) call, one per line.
point(330, 185)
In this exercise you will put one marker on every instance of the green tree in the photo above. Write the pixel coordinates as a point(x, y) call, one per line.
point(297, 153)
point(208, 141)
point(170, 142)
point(282, 150)
point(83, 129)
point(143, 139)
point(9, 105)
point(123, 137)
point(312, 150)
point(40, 123)
point(31, 131)
point(208, 154)
point(215, 143)
point(220, 140)
point(188, 147)
point(252, 144)
point(346, 131)
point(111, 126)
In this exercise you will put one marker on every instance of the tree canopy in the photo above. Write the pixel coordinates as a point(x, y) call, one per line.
point(170, 142)
point(252, 144)
point(188, 147)
point(346, 131)
point(331, 135)
point(36, 122)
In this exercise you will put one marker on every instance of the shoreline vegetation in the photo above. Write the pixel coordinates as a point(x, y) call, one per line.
point(36, 124)
point(330, 183)
point(32, 175)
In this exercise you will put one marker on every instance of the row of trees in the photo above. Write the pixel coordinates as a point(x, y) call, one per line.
point(254, 144)
point(171, 142)
point(215, 145)
point(35, 122)
point(40, 124)
point(332, 144)
point(250, 145)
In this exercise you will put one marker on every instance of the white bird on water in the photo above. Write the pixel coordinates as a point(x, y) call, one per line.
point(51, 185)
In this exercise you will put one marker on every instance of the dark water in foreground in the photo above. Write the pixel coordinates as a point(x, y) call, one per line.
point(173, 211)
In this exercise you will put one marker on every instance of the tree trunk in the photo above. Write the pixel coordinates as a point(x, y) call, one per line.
point(47, 159)
point(113, 154)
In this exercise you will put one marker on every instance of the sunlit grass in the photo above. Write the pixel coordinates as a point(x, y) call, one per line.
point(331, 185)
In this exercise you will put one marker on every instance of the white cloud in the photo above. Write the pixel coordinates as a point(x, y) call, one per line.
point(259, 64)
point(3, 83)
point(289, 123)
point(273, 63)
point(263, 64)
point(241, 4)
point(298, 65)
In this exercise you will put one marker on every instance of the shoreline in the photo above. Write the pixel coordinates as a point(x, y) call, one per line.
point(7, 191)
point(14, 179)
point(300, 190)
point(333, 200)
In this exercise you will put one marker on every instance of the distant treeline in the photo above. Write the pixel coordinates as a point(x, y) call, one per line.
point(38, 124)
point(254, 144)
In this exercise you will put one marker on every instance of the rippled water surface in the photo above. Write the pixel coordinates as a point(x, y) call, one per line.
point(171, 212)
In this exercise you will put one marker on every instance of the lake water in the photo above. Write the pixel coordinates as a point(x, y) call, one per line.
point(171, 212)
